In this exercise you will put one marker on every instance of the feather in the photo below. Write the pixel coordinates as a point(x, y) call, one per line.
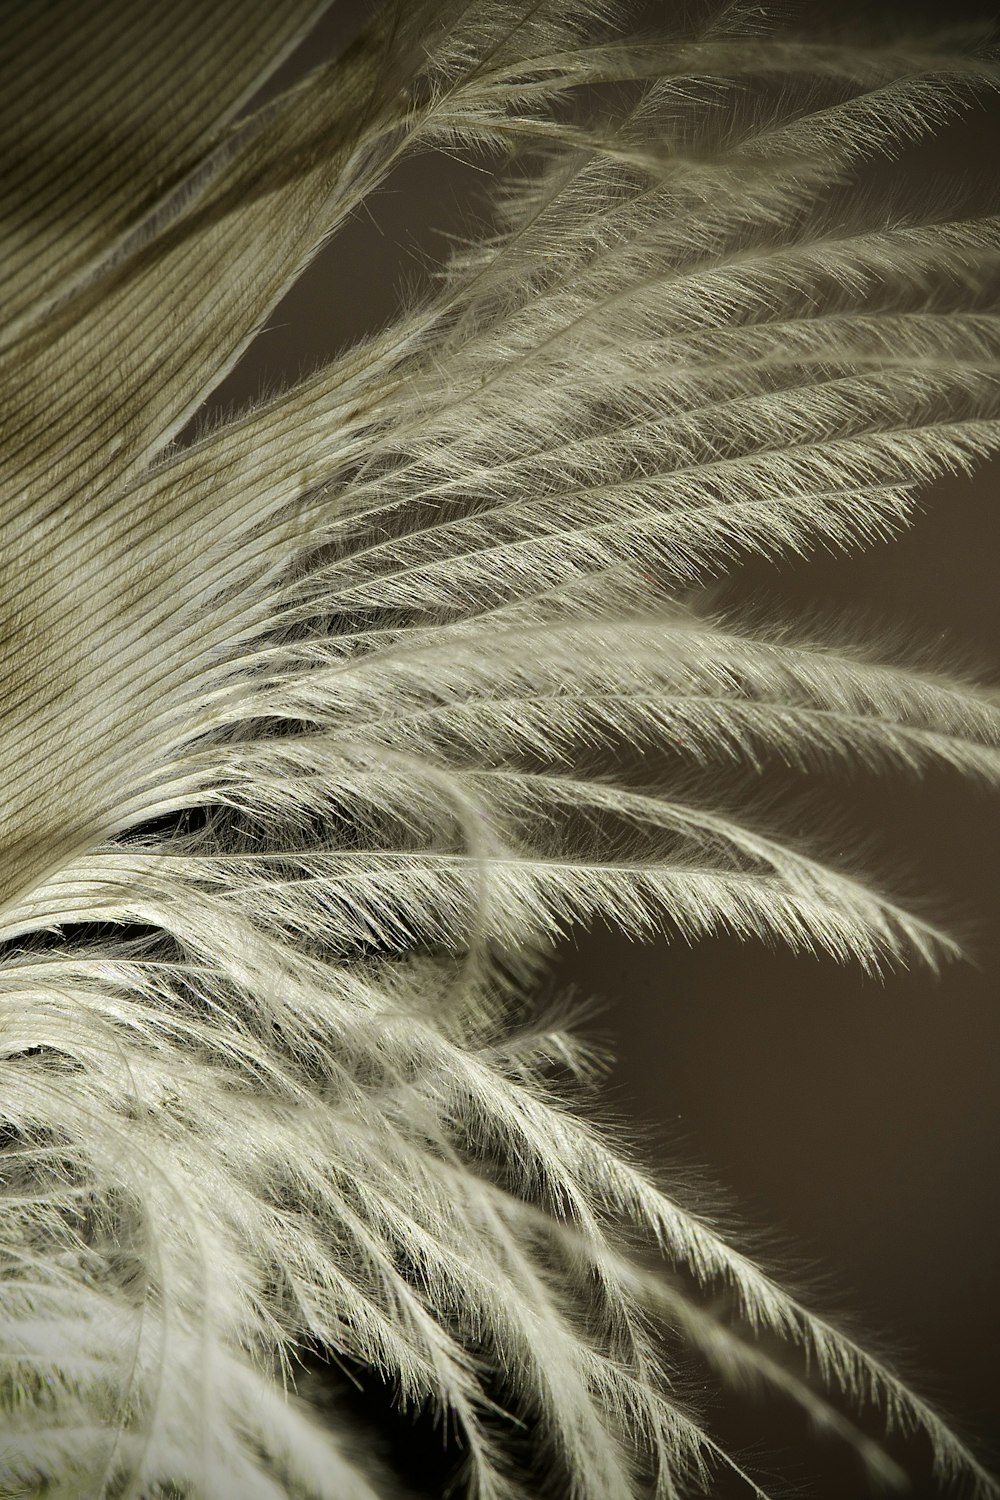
point(322, 726)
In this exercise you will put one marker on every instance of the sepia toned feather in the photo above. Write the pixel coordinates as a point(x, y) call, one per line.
point(322, 725)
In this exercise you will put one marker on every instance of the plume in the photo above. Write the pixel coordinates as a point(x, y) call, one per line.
point(323, 724)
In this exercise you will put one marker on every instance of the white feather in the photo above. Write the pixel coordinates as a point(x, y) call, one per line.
point(321, 728)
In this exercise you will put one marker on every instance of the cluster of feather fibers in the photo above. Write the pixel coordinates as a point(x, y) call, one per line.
point(320, 728)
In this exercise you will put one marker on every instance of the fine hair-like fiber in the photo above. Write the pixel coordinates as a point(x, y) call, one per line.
point(322, 724)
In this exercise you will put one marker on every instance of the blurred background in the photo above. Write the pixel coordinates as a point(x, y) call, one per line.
point(847, 1126)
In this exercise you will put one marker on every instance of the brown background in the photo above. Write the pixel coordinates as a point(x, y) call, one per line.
point(851, 1123)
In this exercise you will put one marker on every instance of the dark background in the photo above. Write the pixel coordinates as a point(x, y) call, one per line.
point(849, 1123)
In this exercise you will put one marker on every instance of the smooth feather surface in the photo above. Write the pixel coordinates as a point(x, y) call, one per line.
point(320, 728)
